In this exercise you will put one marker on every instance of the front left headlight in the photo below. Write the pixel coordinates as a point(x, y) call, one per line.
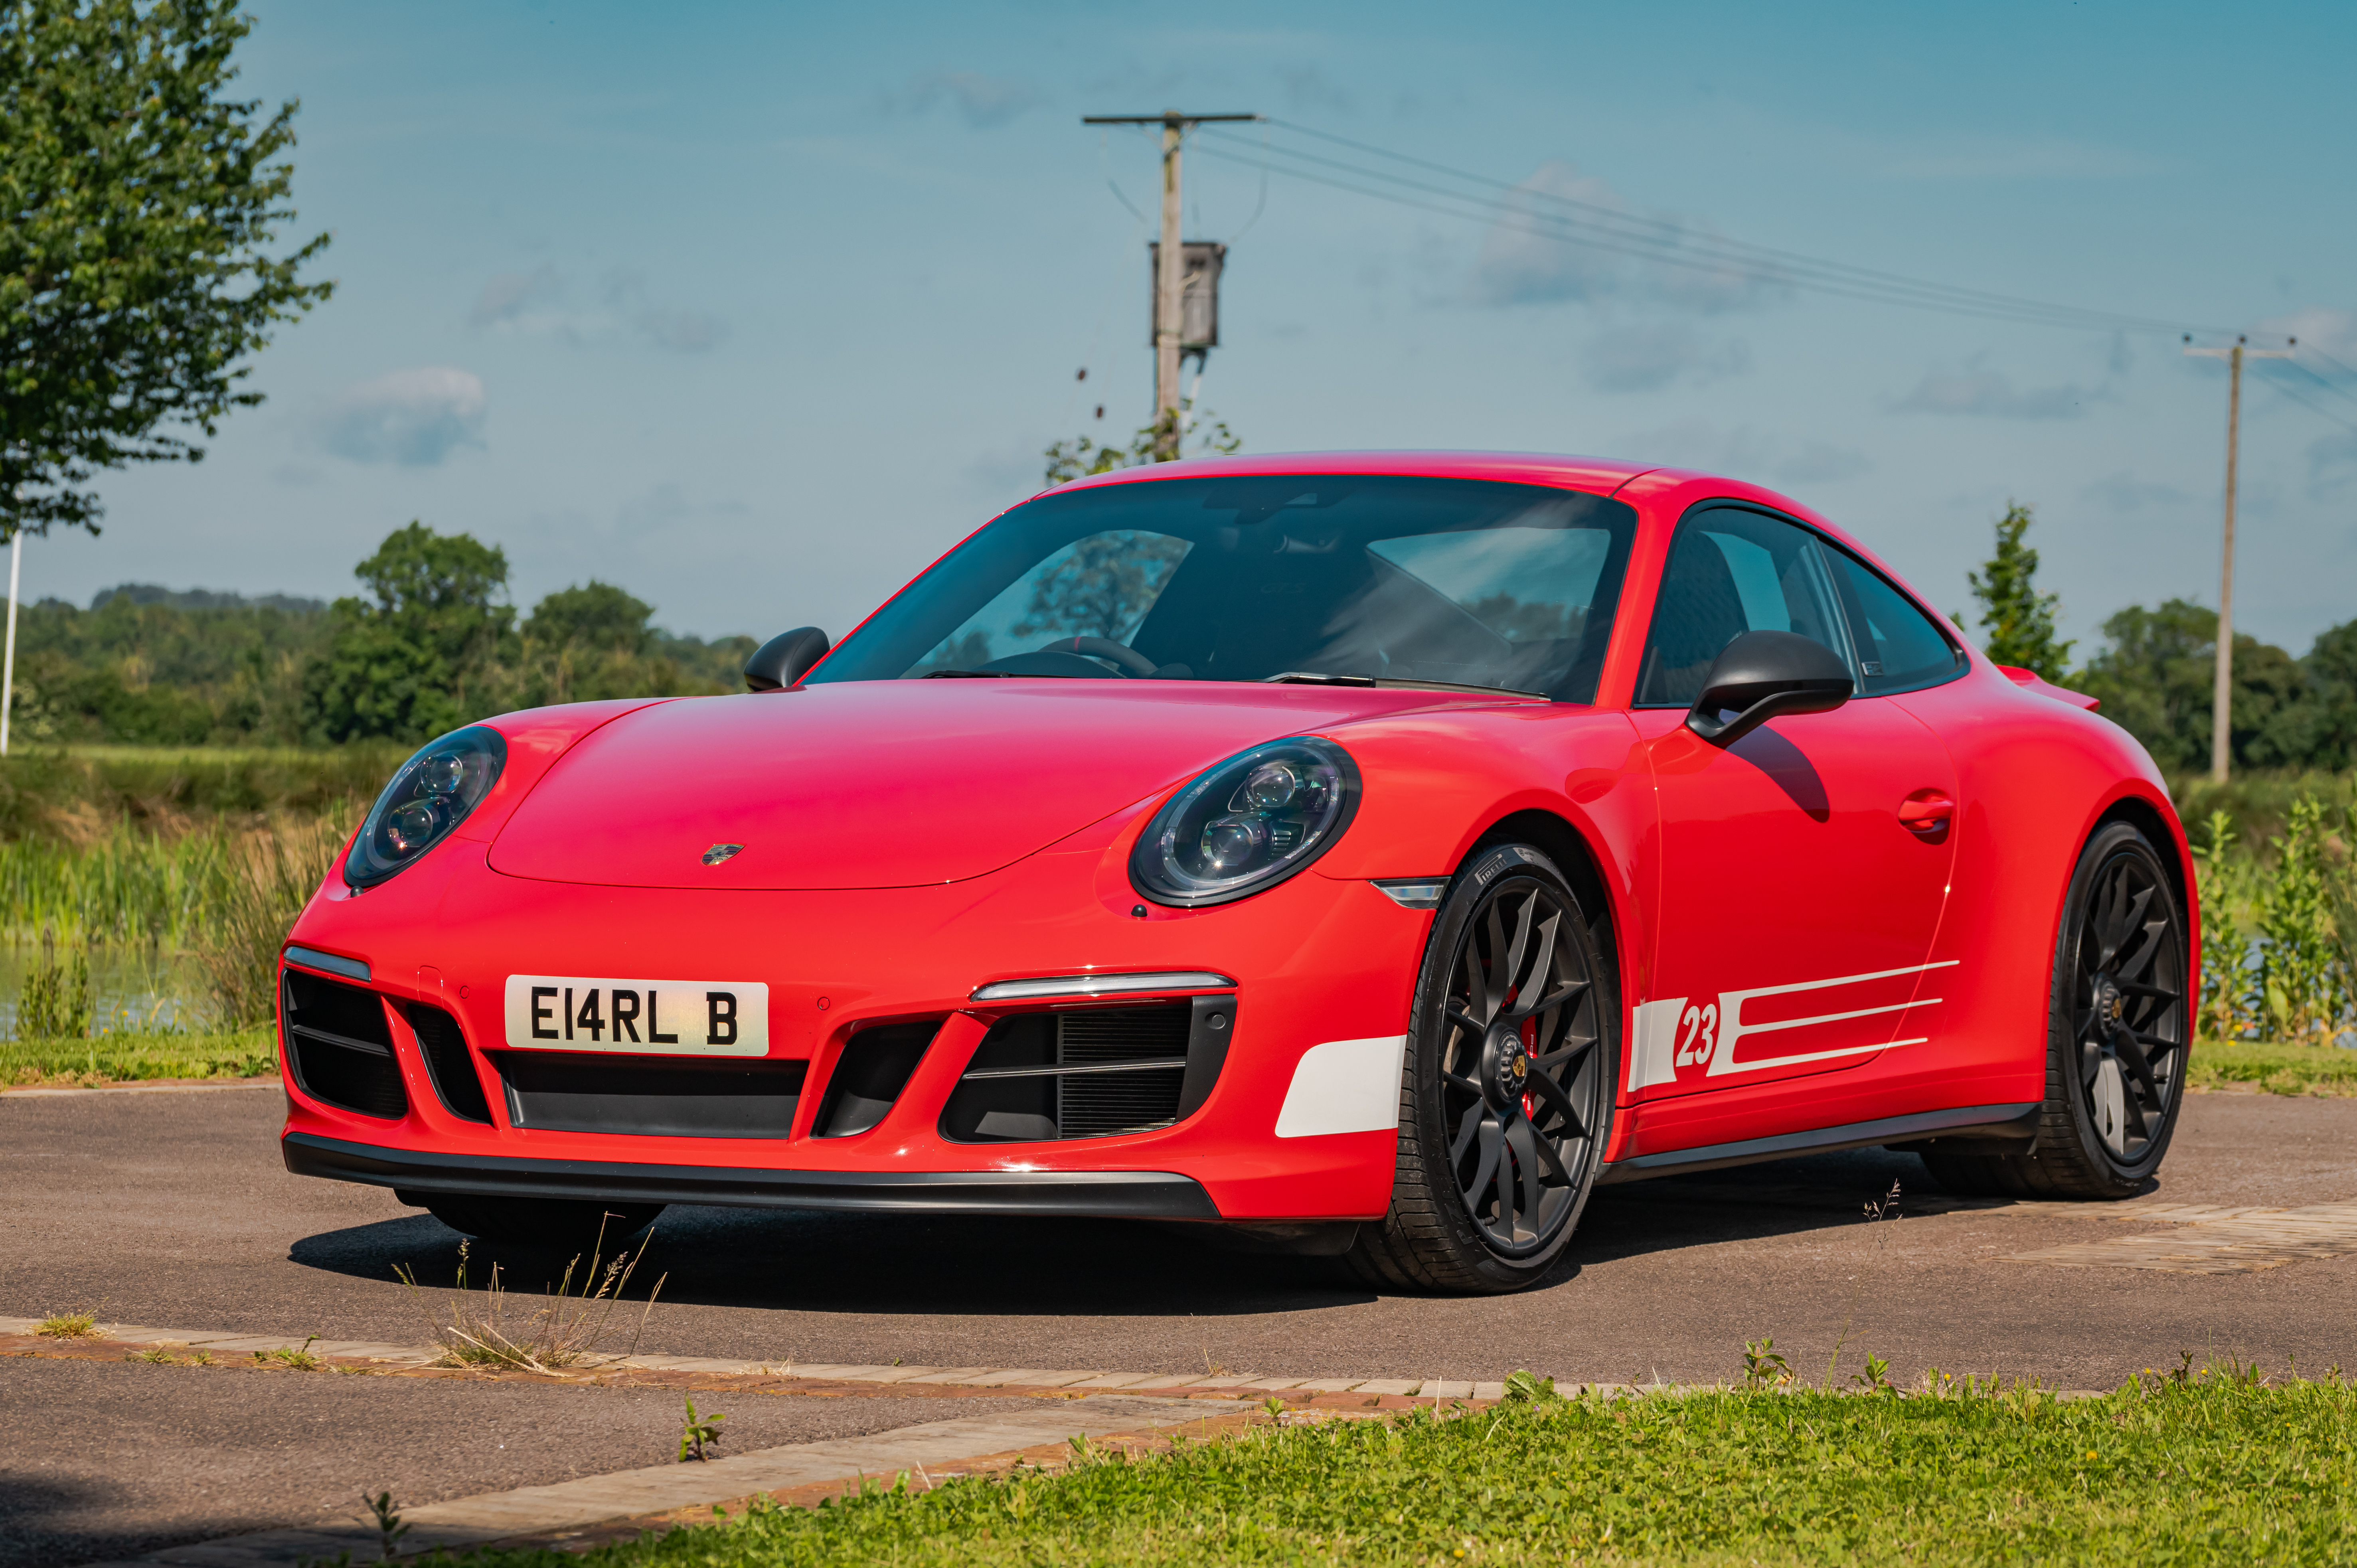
point(433, 793)
point(1247, 824)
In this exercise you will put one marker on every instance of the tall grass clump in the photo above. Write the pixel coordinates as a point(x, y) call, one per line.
point(122, 885)
point(272, 873)
point(56, 1002)
point(2279, 928)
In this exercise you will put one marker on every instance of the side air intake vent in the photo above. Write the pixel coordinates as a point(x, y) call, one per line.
point(1091, 1072)
point(447, 1064)
point(340, 1046)
point(869, 1076)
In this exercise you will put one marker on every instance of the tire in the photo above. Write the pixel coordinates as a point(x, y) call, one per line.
point(551, 1222)
point(1491, 1182)
point(2117, 1037)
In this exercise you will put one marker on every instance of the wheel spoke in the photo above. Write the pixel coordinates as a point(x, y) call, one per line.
point(2138, 988)
point(1493, 1141)
point(1493, 978)
point(1466, 1022)
point(1569, 1052)
point(1465, 1127)
point(1526, 1143)
point(1505, 1183)
point(2154, 936)
point(2132, 1060)
point(1559, 1099)
point(1459, 1082)
point(1509, 971)
point(1532, 986)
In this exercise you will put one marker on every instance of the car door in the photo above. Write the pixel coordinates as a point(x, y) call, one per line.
point(1805, 866)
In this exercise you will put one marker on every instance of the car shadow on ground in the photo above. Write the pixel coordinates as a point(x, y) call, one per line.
point(879, 1265)
point(960, 1265)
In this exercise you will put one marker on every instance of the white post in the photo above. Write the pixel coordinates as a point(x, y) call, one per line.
point(8, 663)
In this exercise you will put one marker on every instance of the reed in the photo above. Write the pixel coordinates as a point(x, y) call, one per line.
point(272, 873)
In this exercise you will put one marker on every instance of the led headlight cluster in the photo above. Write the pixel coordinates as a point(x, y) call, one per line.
point(1247, 824)
point(433, 793)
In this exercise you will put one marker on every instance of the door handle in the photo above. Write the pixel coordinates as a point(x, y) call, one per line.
point(1927, 813)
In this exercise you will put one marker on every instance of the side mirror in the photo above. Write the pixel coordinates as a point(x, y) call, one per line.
point(785, 658)
point(1762, 675)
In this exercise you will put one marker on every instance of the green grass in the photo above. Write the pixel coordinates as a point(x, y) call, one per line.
point(104, 1058)
point(2322, 1070)
point(2212, 1472)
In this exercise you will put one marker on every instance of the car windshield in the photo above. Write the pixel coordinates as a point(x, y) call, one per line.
point(1349, 577)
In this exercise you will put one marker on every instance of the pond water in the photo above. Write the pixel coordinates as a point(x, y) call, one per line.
point(135, 988)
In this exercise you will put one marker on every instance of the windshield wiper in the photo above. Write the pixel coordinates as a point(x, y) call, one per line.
point(1321, 678)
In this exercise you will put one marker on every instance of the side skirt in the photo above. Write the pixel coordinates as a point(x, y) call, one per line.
point(1969, 1129)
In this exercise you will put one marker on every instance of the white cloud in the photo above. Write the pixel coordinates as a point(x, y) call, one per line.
point(414, 418)
point(1745, 453)
point(540, 304)
point(984, 102)
point(1648, 356)
point(1991, 394)
point(1523, 262)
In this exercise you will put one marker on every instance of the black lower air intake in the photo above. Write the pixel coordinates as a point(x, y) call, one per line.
point(448, 1064)
point(1091, 1072)
point(340, 1046)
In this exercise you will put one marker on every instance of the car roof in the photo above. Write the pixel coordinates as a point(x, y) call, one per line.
point(1601, 475)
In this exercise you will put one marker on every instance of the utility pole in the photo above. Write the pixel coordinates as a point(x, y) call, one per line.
point(2221, 696)
point(8, 663)
point(1169, 293)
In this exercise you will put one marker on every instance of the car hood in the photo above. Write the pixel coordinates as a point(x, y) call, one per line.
point(887, 783)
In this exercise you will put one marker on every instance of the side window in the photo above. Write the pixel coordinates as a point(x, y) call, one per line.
point(1731, 572)
point(1898, 648)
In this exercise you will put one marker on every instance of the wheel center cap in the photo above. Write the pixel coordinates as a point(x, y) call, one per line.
point(1507, 1069)
point(2111, 1004)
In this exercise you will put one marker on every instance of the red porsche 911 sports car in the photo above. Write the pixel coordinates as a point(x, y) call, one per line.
point(1366, 854)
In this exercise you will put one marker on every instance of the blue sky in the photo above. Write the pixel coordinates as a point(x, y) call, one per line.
point(755, 309)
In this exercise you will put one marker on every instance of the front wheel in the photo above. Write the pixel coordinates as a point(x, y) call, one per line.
point(1506, 1086)
point(2119, 1030)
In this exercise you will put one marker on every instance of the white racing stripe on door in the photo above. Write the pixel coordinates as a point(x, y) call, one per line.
point(1344, 1086)
point(1732, 1028)
point(1652, 1056)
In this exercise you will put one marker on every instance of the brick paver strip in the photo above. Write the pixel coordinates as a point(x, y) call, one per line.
point(630, 1494)
point(2214, 1241)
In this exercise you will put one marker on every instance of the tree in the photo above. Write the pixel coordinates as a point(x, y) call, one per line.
point(1081, 456)
point(583, 644)
point(137, 209)
point(2018, 618)
point(424, 657)
point(2156, 677)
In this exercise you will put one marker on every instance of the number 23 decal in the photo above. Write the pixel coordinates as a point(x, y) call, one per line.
point(1701, 1036)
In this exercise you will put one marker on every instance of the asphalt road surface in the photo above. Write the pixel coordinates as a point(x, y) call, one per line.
point(173, 1211)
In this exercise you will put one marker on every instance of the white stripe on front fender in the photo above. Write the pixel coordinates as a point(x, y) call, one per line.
point(1344, 1086)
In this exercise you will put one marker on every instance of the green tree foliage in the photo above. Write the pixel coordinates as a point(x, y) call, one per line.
point(2018, 620)
point(2157, 676)
point(1081, 457)
point(584, 644)
point(138, 204)
point(421, 656)
point(1103, 587)
point(148, 667)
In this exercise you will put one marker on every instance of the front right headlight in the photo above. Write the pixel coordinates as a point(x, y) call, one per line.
point(1247, 824)
point(433, 793)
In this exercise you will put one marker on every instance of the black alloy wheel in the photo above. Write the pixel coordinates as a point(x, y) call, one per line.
point(1506, 1086)
point(551, 1222)
point(2119, 1036)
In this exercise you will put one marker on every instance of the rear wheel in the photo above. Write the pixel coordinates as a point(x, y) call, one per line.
point(554, 1222)
point(1505, 1094)
point(2117, 1036)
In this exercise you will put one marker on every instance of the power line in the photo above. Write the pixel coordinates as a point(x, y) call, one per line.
point(1671, 243)
point(2279, 388)
point(2330, 386)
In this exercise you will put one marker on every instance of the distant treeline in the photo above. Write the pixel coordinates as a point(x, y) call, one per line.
point(429, 647)
point(2157, 676)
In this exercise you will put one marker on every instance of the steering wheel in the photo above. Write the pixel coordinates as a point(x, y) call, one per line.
point(1105, 647)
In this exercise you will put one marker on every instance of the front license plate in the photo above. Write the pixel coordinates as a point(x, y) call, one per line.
point(647, 1017)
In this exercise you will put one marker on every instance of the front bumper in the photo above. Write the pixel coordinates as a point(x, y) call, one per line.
point(1153, 1195)
point(1315, 960)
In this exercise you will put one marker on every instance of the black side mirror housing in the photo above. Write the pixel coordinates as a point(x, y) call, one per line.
point(1762, 675)
point(785, 659)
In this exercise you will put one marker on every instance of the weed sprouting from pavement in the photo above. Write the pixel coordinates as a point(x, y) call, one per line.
point(698, 1432)
point(1764, 1366)
point(1875, 1378)
point(564, 1332)
point(1883, 1208)
point(297, 1357)
point(80, 1325)
point(389, 1527)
